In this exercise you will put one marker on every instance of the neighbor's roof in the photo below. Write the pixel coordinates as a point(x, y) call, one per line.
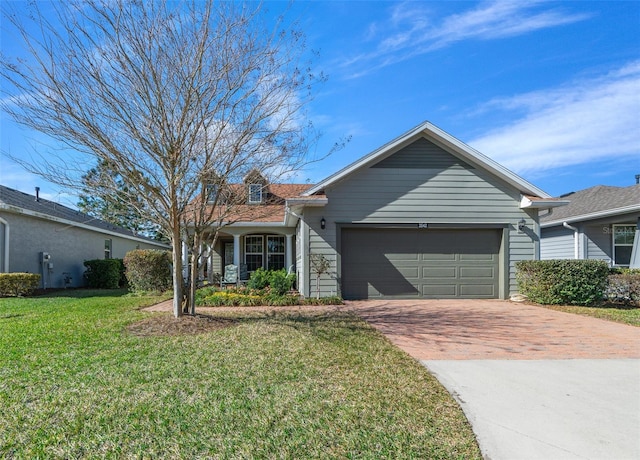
point(23, 203)
point(595, 202)
point(433, 133)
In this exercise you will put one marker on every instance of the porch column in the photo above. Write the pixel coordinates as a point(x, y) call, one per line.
point(288, 251)
point(236, 250)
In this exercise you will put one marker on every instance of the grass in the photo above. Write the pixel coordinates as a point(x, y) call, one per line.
point(612, 312)
point(75, 383)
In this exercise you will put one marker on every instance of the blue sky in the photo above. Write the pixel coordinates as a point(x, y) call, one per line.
point(550, 90)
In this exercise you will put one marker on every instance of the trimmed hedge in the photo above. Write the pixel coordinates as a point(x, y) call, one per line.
point(562, 282)
point(18, 284)
point(104, 273)
point(148, 270)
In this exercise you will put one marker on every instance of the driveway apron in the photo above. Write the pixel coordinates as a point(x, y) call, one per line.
point(534, 383)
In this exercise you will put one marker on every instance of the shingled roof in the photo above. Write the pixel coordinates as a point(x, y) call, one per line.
point(17, 201)
point(271, 210)
point(596, 200)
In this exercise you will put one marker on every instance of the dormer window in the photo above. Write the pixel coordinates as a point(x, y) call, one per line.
point(255, 193)
point(211, 191)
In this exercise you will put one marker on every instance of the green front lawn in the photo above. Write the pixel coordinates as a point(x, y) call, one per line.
point(618, 313)
point(78, 381)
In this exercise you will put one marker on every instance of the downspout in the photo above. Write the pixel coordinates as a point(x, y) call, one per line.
point(576, 252)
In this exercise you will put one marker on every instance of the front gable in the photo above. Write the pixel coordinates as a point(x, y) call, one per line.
point(422, 154)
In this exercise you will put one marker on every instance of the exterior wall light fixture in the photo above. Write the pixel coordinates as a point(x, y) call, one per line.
point(323, 223)
point(522, 224)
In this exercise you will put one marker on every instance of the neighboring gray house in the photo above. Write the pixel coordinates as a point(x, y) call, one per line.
point(40, 236)
point(424, 216)
point(599, 223)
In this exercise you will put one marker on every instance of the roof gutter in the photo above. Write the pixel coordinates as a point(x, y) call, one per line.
point(593, 215)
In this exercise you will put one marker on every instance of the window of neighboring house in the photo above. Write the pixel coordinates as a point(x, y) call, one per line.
point(275, 252)
point(107, 249)
point(253, 250)
point(255, 193)
point(211, 191)
point(623, 243)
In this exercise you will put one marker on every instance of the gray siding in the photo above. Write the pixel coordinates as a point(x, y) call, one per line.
point(422, 154)
point(69, 247)
point(599, 242)
point(557, 243)
point(450, 195)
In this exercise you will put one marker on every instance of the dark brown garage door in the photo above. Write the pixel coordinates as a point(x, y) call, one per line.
point(420, 263)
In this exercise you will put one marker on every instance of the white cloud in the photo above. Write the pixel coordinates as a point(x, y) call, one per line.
point(411, 31)
point(577, 123)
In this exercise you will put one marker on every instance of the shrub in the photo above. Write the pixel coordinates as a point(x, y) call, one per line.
point(259, 279)
point(624, 287)
point(148, 270)
point(333, 300)
point(278, 280)
point(18, 284)
point(230, 298)
point(555, 282)
point(104, 273)
point(281, 282)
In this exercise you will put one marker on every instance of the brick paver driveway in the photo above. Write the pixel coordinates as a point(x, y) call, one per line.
point(495, 329)
point(534, 383)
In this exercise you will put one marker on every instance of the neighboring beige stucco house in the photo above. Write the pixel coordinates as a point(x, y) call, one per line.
point(424, 216)
point(41, 236)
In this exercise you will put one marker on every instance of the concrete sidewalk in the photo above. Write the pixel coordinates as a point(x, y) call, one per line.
point(548, 409)
point(534, 383)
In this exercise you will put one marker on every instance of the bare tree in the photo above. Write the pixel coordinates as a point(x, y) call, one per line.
point(170, 95)
point(320, 265)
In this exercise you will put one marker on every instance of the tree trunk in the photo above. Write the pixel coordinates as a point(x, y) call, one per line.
point(177, 271)
point(193, 278)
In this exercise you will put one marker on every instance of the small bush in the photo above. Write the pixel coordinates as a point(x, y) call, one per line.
point(277, 280)
point(18, 284)
point(148, 270)
point(624, 288)
point(333, 300)
point(259, 279)
point(557, 282)
point(281, 282)
point(229, 298)
point(104, 273)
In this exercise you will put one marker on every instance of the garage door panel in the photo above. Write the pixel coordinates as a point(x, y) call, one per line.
point(402, 257)
point(437, 257)
point(439, 290)
point(479, 257)
point(442, 272)
point(420, 263)
point(477, 290)
point(477, 272)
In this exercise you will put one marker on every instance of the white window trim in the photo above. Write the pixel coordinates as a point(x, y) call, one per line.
point(252, 190)
point(6, 245)
point(254, 253)
point(614, 244)
point(211, 191)
point(284, 249)
point(108, 252)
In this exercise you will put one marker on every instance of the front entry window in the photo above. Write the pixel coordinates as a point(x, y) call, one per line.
point(623, 244)
point(275, 252)
point(253, 250)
